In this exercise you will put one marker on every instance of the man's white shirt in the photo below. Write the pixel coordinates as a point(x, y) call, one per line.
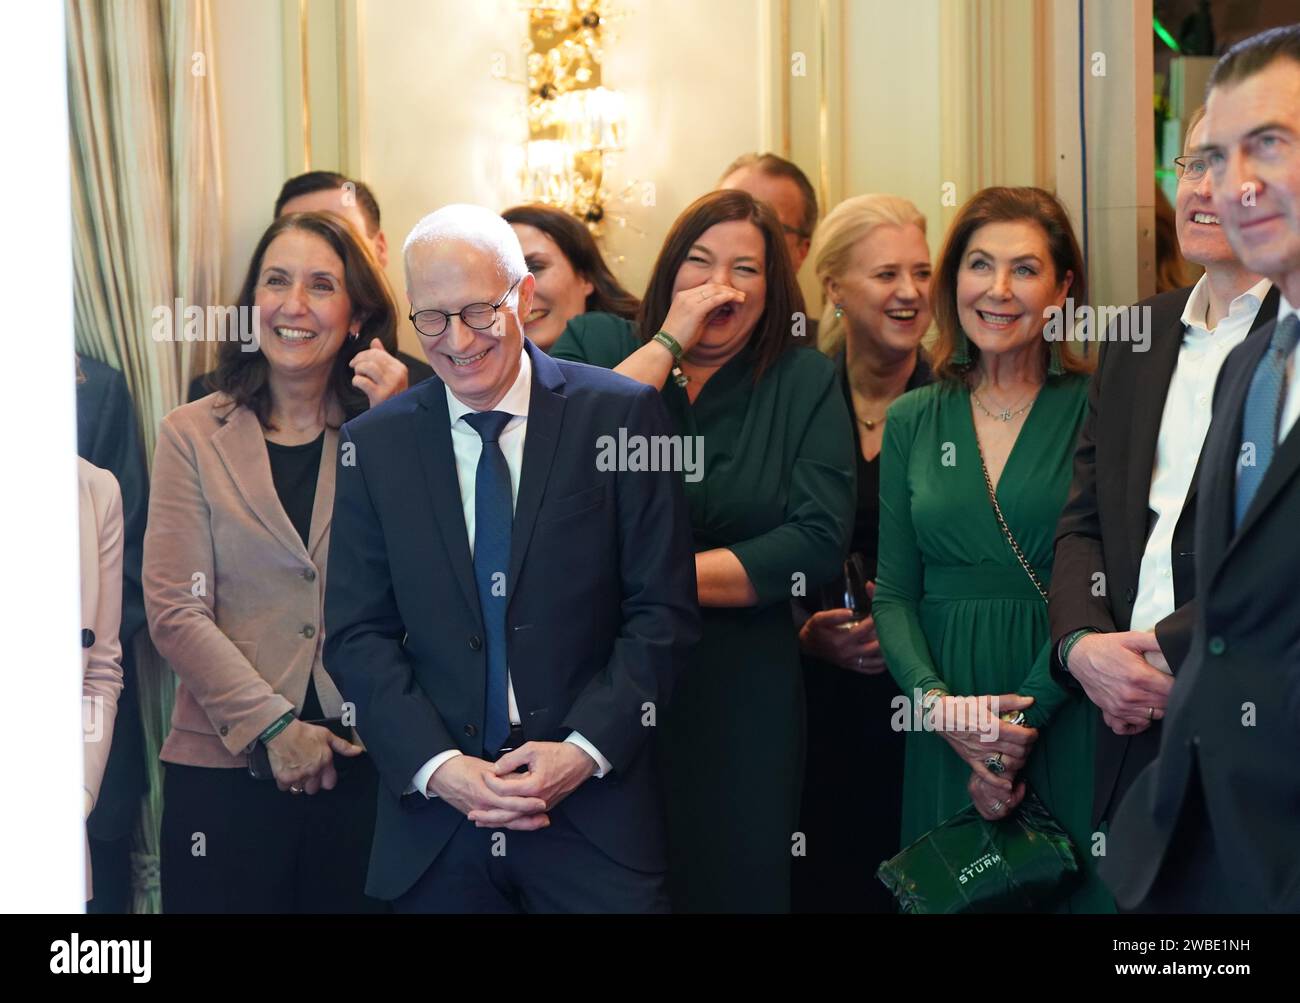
point(467, 446)
point(1183, 426)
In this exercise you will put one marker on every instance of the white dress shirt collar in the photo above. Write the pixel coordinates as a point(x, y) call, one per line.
point(514, 402)
point(1197, 308)
point(1284, 309)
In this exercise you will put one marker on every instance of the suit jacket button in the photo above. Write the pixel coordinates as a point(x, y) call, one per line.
point(87, 637)
point(1217, 645)
point(470, 730)
point(309, 574)
point(475, 642)
point(1130, 596)
point(225, 730)
point(309, 631)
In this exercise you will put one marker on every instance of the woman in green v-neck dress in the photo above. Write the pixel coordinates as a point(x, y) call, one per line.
point(771, 509)
point(955, 609)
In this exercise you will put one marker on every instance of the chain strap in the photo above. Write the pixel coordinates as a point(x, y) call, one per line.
point(1006, 530)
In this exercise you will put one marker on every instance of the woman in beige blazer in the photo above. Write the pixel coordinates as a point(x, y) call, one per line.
point(234, 581)
point(100, 504)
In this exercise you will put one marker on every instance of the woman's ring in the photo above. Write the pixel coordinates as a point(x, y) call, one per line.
point(296, 790)
point(997, 807)
point(994, 763)
point(1151, 713)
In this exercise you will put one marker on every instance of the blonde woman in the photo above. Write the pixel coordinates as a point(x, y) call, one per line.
point(871, 257)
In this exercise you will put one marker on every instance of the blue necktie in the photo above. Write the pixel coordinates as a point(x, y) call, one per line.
point(493, 516)
point(1259, 420)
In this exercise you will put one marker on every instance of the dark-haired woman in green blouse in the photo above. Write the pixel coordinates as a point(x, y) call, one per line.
point(772, 508)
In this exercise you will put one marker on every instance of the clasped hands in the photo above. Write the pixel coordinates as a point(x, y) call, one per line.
point(493, 795)
point(1117, 673)
point(972, 726)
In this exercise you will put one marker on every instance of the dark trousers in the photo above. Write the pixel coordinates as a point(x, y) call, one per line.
point(1191, 879)
point(110, 868)
point(553, 870)
point(852, 803)
point(232, 844)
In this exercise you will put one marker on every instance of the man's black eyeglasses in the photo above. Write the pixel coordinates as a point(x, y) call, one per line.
point(479, 316)
point(1190, 168)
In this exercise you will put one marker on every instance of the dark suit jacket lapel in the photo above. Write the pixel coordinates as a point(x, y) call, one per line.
point(242, 448)
point(1266, 315)
point(438, 460)
point(1286, 458)
point(1220, 487)
point(545, 413)
point(1148, 390)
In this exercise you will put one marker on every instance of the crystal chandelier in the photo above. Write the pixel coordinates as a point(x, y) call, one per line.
point(573, 121)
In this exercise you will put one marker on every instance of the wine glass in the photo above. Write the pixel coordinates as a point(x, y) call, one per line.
point(856, 597)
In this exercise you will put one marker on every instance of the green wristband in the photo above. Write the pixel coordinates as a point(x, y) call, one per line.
point(1070, 641)
point(670, 343)
point(278, 726)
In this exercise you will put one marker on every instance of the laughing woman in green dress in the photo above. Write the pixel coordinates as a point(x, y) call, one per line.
point(771, 508)
point(958, 613)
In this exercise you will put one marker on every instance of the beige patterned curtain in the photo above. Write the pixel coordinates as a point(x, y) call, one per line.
point(146, 208)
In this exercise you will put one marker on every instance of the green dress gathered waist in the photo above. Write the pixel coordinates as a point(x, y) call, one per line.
point(955, 609)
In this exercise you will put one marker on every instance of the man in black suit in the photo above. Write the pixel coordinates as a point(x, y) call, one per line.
point(109, 437)
point(1211, 825)
point(328, 191)
point(1123, 582)
point(505, 614)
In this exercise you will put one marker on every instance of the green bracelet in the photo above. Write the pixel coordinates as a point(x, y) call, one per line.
point(1070, 641)
point(670, 343)
point(278, 726)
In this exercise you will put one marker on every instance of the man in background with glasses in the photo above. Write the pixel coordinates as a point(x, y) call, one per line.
point(1123, 584)
point(782, 185)
point(509, 658)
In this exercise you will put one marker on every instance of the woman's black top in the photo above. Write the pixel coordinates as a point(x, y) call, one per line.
point(853, 780)
point(295, 469)
point(866, 518)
